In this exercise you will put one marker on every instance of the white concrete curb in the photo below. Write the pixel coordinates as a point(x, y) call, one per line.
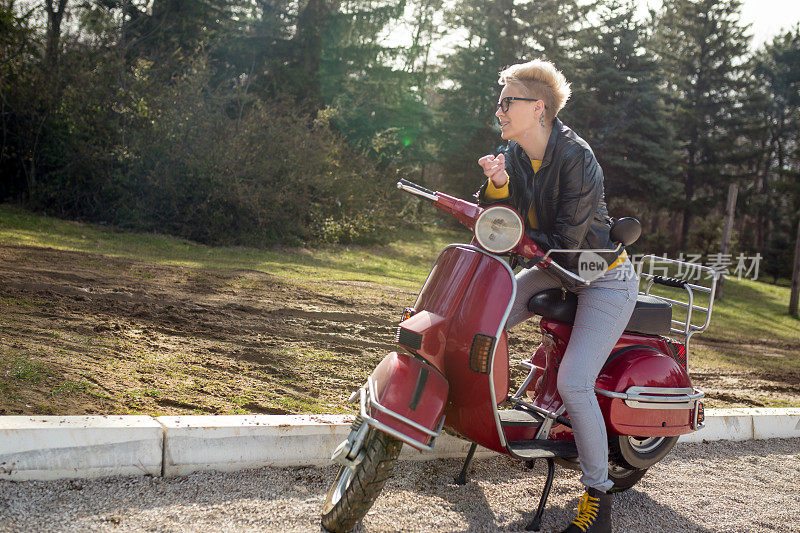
point(228, 443)
point(747, 424)
point(235, 442)
point(54, 447)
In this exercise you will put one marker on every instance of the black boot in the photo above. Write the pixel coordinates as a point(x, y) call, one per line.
point(594, 513)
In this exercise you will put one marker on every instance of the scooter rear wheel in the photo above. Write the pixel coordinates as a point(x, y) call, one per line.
point(624, 477)
point(630, 457)
point(638, 452)
point(355, 489)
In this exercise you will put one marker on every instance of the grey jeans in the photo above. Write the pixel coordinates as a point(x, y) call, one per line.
point(604, 309)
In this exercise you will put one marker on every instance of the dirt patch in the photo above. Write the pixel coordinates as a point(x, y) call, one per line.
point(724, 388)
point(83, 333)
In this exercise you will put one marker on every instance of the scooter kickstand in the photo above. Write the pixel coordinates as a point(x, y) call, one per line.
point(536, 523)
point(461, 479)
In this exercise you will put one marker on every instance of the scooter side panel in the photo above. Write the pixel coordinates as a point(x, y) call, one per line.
point(543, 390)
point(470, 409)
point(638, 367)
point(481, 313)
point(431, 330)
point(412, 389)
point(563, 331)
point(467, 293)
point(477, 425)
point(448, 280)
point(645, 368)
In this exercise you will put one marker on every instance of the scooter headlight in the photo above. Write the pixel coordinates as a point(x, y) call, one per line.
point(498, 229)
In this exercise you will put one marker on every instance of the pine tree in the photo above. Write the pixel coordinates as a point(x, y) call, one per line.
point(496, 35)
point(618, 107)
point(701, 45)
point(776, 86)
point(375, 94)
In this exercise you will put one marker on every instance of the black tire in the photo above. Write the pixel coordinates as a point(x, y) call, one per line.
point(624, 477)
point(638, 452)
point(630, 457)
point(353, 491)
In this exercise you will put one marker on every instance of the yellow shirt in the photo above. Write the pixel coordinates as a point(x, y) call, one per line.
point(494, 193)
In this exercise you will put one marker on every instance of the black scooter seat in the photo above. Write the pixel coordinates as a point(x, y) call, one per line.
point(651, 316)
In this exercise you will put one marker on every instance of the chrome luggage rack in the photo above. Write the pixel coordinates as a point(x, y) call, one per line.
point(685, 328)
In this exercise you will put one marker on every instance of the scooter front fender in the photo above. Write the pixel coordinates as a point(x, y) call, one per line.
point(405, 397)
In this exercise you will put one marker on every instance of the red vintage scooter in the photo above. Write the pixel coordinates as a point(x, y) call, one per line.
point(453, 369)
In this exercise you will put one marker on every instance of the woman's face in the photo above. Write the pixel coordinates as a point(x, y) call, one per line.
point(522, 116)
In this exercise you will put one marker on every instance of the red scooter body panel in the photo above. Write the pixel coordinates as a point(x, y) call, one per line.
point(562, 331)
point(470, 291)
point(481, 312)
point(645, 366)
point(469, 410)
point(411, 388)
point(439, 300)
point(544, 386)
point(433, 330)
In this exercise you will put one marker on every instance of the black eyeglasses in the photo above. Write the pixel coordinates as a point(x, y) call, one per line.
point(504, 103)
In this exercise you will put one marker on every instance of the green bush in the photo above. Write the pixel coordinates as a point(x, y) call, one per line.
point(214, 166)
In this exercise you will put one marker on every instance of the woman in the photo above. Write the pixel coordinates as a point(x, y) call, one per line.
point(550, 175)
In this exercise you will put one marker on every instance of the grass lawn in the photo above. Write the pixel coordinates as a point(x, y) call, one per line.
point(124, 322)
point(403, 263)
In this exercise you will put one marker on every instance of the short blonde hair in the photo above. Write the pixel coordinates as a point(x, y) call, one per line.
point(539, 79)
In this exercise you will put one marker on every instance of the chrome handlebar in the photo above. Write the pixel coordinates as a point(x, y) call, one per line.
point(418, 190)
point(594, 250)
point(564, 275)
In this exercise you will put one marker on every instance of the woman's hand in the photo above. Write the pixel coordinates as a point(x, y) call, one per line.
point(495, 169)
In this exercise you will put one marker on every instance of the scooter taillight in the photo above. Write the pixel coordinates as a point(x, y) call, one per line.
point(678, 352)
point(408, 312)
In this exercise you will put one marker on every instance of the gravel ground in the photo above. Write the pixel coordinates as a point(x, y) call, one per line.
point(718, 486)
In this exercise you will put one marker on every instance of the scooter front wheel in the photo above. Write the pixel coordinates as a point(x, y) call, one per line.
point(355, 488)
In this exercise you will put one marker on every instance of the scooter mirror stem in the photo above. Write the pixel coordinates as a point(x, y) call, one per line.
point(568, 278)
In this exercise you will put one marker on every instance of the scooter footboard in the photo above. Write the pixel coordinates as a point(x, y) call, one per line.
point(405, 397)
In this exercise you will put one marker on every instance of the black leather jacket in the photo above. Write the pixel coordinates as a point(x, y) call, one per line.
point(567, 196)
